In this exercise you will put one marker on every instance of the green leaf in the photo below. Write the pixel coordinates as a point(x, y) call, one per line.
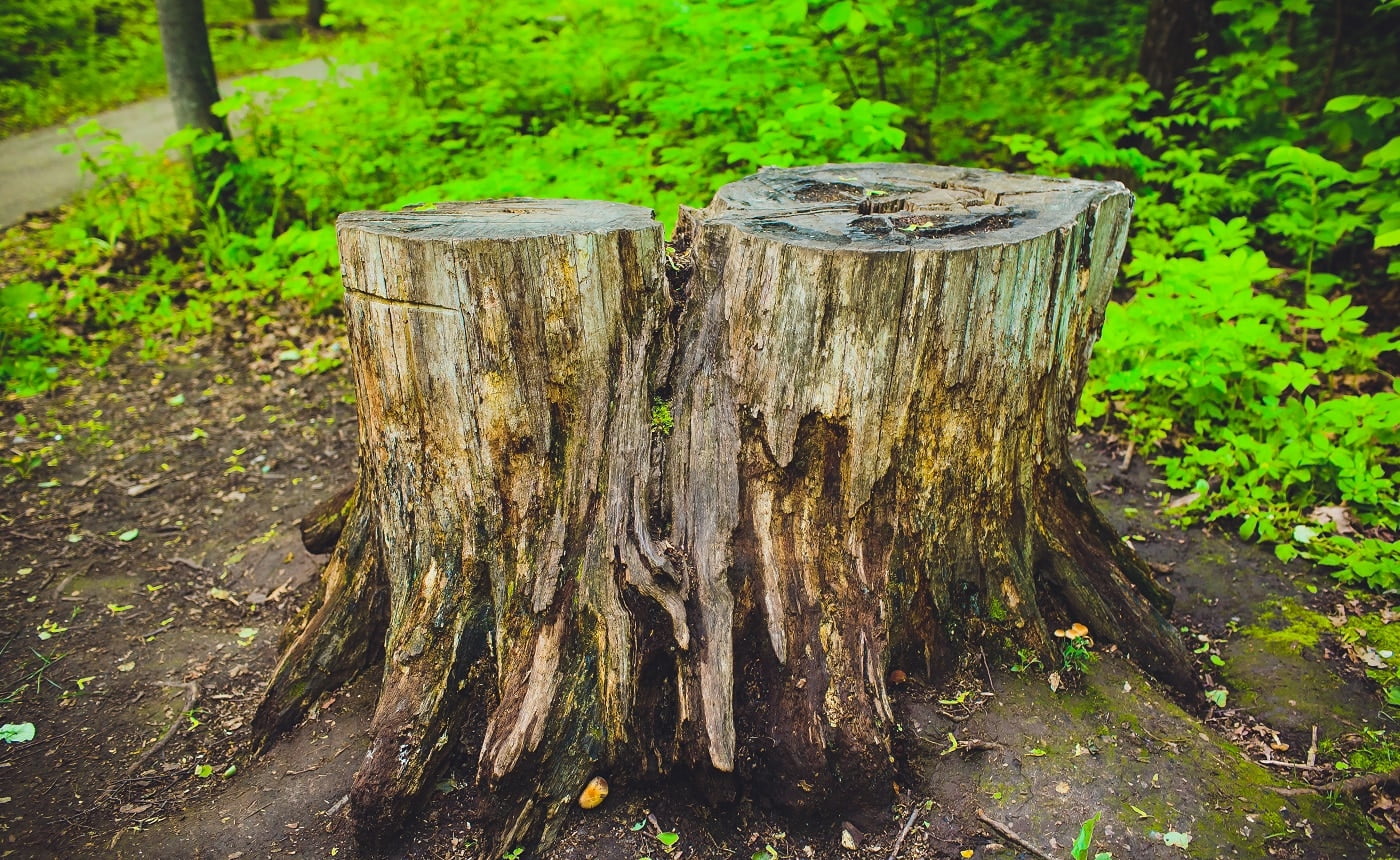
point(17, 733)
point(1388, 239)
point(835, 17)
point(1341, 104)
point(667, 838)
point(1080, 849)
point(128, 535)
point(204, 771)
point(1217, 697)
point(1174, 839)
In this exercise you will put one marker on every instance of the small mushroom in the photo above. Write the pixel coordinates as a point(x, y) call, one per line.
point(898, 677)
point(593, 793)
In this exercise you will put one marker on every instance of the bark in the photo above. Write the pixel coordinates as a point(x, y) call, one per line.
point(189, 71)
point(870, 373)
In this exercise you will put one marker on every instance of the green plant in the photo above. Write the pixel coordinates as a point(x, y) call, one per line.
point(1082, 844)
point(661, 420)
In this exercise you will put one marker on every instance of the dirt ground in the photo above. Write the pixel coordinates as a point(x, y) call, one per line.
point(149, 558)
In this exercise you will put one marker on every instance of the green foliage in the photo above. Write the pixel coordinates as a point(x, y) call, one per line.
point(1248, 354)
point(661, 419)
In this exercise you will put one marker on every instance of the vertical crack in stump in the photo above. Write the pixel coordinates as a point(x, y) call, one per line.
point(872, 376)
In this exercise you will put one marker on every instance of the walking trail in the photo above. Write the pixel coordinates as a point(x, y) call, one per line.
point(35, 176)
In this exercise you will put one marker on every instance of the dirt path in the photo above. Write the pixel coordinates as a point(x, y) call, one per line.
point(35, 176)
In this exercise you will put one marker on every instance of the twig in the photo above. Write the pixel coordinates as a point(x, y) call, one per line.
point(1011, 836)
point(64, 583)
point(904, 831)
point(338, 805)
point(192, 565)
point(990, 685)
point(1295, 765)
point(191, 696)
point(1127, 458)
point(1353, 785)
point(1312, 749)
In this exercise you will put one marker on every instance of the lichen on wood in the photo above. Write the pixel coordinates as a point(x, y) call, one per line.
point(870, 372)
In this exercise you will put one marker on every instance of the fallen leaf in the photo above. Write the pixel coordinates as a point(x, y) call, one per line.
point(126, 667)
point(1176, 840)
point(1054, 680)
point(1183, 501)
point(17, 733)
point(1337, 515)
point(1062, 788)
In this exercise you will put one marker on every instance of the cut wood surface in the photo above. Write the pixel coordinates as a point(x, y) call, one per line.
point(633, 521)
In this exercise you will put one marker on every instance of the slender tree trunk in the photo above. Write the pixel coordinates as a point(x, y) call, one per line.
point(633, 525)
point(314, 10)
point(262, 9)
point(1175, 29)
point(194, 88)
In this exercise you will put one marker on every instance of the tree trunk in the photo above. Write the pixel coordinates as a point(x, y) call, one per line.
point(262, 9)
point(1174, 30)
point(314, 10)
point(629, 527)
point(194, 88)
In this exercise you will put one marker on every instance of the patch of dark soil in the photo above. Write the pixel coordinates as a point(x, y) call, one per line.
point(148, 564)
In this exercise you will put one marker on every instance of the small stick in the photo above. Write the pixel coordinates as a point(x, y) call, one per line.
point(1011, 836)
point(1352, 785)
point(191, 696)
point(990, 685)
point(1127, 458)
point(1293, 764)
point(1312, 750)
point(908, 823)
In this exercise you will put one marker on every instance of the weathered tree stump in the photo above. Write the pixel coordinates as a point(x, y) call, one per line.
point(635, 521)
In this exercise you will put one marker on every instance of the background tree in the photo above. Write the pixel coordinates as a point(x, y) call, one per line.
point(194, 89)
point(1174, 31)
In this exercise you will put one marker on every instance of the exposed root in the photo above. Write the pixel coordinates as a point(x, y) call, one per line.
point(191, 696)
point(1353, 785)
point(1011, 836)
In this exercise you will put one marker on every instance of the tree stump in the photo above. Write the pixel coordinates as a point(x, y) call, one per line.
point(639, 514)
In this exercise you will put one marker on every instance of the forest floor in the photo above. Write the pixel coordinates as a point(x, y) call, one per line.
point(149, 559)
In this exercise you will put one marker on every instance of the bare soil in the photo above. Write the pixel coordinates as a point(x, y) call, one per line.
point(150, 561)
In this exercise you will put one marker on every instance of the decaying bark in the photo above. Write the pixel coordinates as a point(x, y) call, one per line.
point(629, 525)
